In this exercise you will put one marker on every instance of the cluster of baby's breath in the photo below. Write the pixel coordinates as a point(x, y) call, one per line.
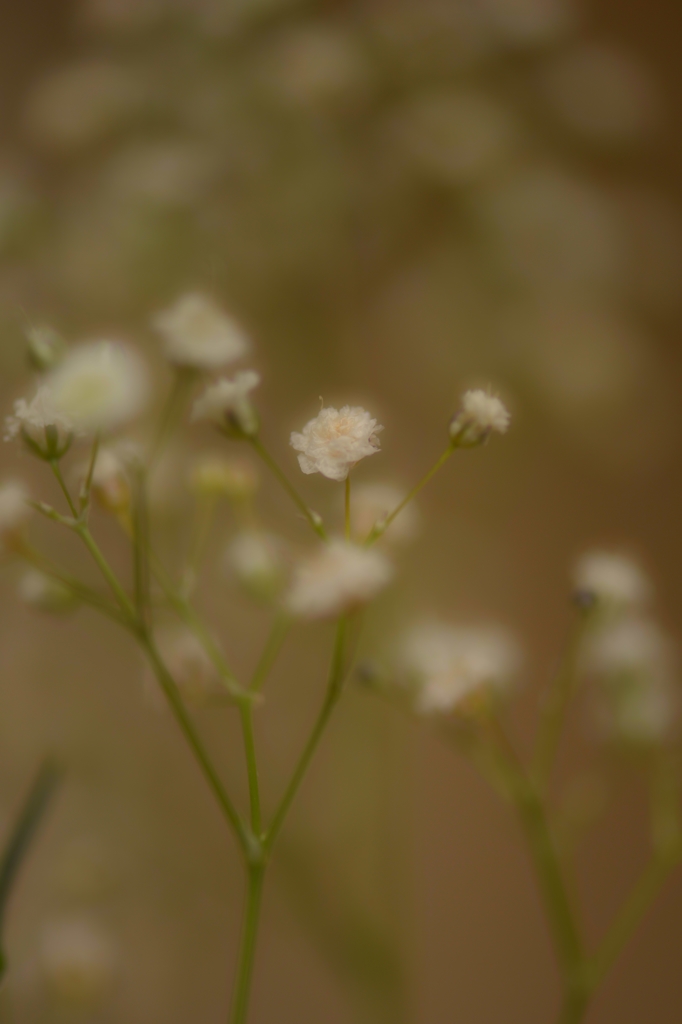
point(91, 407)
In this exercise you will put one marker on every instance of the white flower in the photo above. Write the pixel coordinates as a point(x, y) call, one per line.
point(336, 578)
point(373, 502)
point(634, 663)
point(199, 334)
point(14, 511)
point(41, 424)
point(335, 440)
point(480, 415)
point(99, 386)
point(189, 664)
point(78, 961)
point(227, 405)
point(44, 593)
point(256, 560)
point(612, 579)
point(448, 666)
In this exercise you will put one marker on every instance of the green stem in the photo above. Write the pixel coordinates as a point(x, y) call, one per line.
point(179, 393)
point(86, 489)
point(379, 528)
point(56, 469)
point(248, 842)
point(574, 1007)
point(30, 816)
point(312, 519)
point(273, 645)
point(336, 676)
point(80, 590)
point(242, 989)
point(140, 538)
point(556, 706)
point(347, 520)
point(119, 593)
point(246, 714)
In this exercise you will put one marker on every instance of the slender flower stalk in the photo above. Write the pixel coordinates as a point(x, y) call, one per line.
point(313, 519)
point(273, 645)
point(379, 528)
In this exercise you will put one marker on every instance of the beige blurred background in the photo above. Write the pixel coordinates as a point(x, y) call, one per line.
point(399, 198)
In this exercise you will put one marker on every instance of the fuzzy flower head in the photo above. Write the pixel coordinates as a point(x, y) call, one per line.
point(14, 511)
point(99, 386)
point(458, 668)
point(338, 577)
point(634, 664)
point(335, 440)
point(78, 961)
point(372, 503)
point(47, 431)
point(480, 415)
point(199, 335)
point(614, 581)
point(226, 404)
point(256, 559)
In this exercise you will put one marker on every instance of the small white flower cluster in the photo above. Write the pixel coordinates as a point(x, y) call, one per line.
point(198, 335)
point(189, 664)
point(336, 578)
point(626, 652)
point(256, 559)
point(226, 404)
point(335, 440)
point(454, 668)
point(14, 511)
point(481, 415)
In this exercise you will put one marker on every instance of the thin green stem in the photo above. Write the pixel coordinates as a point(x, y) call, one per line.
point(347, 520)
point(556, 706)
point(80, 590)
point(27, 822)
point(119, 593)
point(246, 714)
point(84, 499)
point(140, 538)
point(247, 841)
point(175, 404)
point(334, 686)
point(56, 469)
point(273, 645)
point(200, 535)
point(379, 528)
point(313, 520)
point(242, 989)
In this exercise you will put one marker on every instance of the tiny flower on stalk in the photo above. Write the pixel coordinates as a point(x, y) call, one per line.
point(338, 577)
point(373, 503)
point(198, 335)
point(480, 415)
point(461, 669)
point(45, 594)
point(79, 962)
point(190, 666)
point(99, 386)
point(226, 404)
point(46, 431)
point(256, 559)
point(213, 476)
point(614, 581)
point(335, 440)
point(14, 511)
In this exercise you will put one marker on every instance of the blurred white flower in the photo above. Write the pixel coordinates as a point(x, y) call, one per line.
point(448, 666)
point(635, 664)
point(213, 475)
point(189, 664)
point(14, 511)
point(480, 415)
point(45, 594)
point(100, 386)
point(336, 578)
point(226, 404)
point(79, 961)
point(372, 503)
point(41, 424)
point(335, 440)
point(614, 580)
point(198, 334)
point(256, 560)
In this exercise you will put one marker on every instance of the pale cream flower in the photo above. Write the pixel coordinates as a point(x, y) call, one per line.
point(78, 960)
point(41, 424)
point(226, 404)
point(481, 414)
point(189, 664)
point(213, 475)
point(256, 559)
point(335, 440)
point(336, 578)
point(614, 580)
point(372, 503)
point(100, 386)
point(44, 593)
point(199, 334)
point(14, 511)
point(451, 667)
